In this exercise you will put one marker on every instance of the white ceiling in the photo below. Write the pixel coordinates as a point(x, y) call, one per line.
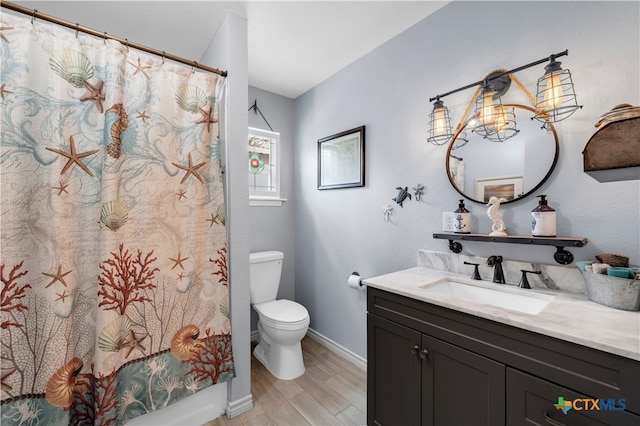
point(293, 45)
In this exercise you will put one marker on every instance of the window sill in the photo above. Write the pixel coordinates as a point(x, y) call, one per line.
point(266, 202)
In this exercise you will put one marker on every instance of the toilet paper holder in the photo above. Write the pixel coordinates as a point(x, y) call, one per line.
point(355, 281)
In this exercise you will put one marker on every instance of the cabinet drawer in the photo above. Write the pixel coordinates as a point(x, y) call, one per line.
point(531, 401)
point(590, 371)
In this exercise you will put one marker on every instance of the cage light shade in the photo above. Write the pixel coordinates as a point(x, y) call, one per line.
point(555, 97)
point(487, 103)
point(439, 124)
point(504, 125)
point(461, 140)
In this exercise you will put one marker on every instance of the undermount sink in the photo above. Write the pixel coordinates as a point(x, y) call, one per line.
point(512, 299)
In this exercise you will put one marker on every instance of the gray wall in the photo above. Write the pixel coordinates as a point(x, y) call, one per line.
point(228, 50)
point(272, 227)
point(338, 231)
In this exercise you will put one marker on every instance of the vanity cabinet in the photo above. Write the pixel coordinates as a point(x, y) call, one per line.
point(431, 365)
point(423, 380)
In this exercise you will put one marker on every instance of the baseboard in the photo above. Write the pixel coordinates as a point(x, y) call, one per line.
point(340, 350)
point(237, 407)
point(334, 347)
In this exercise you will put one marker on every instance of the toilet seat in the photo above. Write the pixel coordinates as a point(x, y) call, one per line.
point(283, 314)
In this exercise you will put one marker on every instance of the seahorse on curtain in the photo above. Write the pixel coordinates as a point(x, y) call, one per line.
point(116, 123)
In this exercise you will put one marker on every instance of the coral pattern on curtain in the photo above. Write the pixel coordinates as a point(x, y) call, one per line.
point(114, 295)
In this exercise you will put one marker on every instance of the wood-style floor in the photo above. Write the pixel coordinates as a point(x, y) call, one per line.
point(332, 391)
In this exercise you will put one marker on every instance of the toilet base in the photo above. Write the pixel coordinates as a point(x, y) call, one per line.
point(283, 361)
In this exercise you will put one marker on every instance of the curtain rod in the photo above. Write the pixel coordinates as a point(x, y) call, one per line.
point(38, 15)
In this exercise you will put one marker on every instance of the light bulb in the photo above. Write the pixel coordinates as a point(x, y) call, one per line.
point(488, 109)
point(553, 91)
point(501, 120)
point(439, 122)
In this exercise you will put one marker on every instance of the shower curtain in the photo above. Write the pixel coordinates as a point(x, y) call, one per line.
point(114, 296)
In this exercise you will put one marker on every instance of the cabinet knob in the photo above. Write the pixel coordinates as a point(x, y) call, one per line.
point(414, 349)
point(424, 353)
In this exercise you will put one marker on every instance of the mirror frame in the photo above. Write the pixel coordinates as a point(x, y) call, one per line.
point(538, 185)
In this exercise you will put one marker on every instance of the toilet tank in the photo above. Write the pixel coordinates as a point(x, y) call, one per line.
point(265, 268)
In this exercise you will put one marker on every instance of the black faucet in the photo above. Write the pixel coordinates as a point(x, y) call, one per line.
point(524, 282)
point(498, 274)
point(476, 273)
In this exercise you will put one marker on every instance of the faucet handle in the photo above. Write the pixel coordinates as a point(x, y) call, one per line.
point(476, 273)
point(524, 282)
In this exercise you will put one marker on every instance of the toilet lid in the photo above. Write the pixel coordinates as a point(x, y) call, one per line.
point(284, 311)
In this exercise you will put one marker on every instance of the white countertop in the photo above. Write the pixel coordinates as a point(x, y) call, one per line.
point(569, 316)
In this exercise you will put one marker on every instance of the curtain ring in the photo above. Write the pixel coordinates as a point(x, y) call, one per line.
point(193, 68)
point(77, 25)
point(104, 40)
point(33, 17)
point(163, 53)
point(127, 43)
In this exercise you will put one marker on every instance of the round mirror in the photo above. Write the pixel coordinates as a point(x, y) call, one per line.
point(479, 168)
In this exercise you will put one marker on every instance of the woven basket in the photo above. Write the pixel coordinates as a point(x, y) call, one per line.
point(615, 260)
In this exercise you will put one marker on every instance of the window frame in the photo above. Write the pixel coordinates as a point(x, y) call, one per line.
point(261, 197)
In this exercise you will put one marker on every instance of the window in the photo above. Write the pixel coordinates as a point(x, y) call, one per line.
point(264, 168)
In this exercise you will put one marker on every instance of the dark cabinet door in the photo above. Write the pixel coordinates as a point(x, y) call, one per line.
point(532, 401)
point(461, 387)
point(393, 373)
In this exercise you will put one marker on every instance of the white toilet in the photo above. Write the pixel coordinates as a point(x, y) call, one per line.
point(282, 323)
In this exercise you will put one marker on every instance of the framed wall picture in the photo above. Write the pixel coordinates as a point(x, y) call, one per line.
point(507, 188)
point(341, 160)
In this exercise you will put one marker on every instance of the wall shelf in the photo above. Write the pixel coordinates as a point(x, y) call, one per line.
point(561, 255)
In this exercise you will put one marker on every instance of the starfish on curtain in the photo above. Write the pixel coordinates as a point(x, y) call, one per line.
point(191, 170)
point(2, 35)
point(74, 157)
point(62, 188)
point(213, 219)
point(62, 296)
point(133, 342)
point(178, 261)
point(95, 94)
point(59, 276)
point(207, 118)
point(143, 115)
point(4, 91)
point(140, 68)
